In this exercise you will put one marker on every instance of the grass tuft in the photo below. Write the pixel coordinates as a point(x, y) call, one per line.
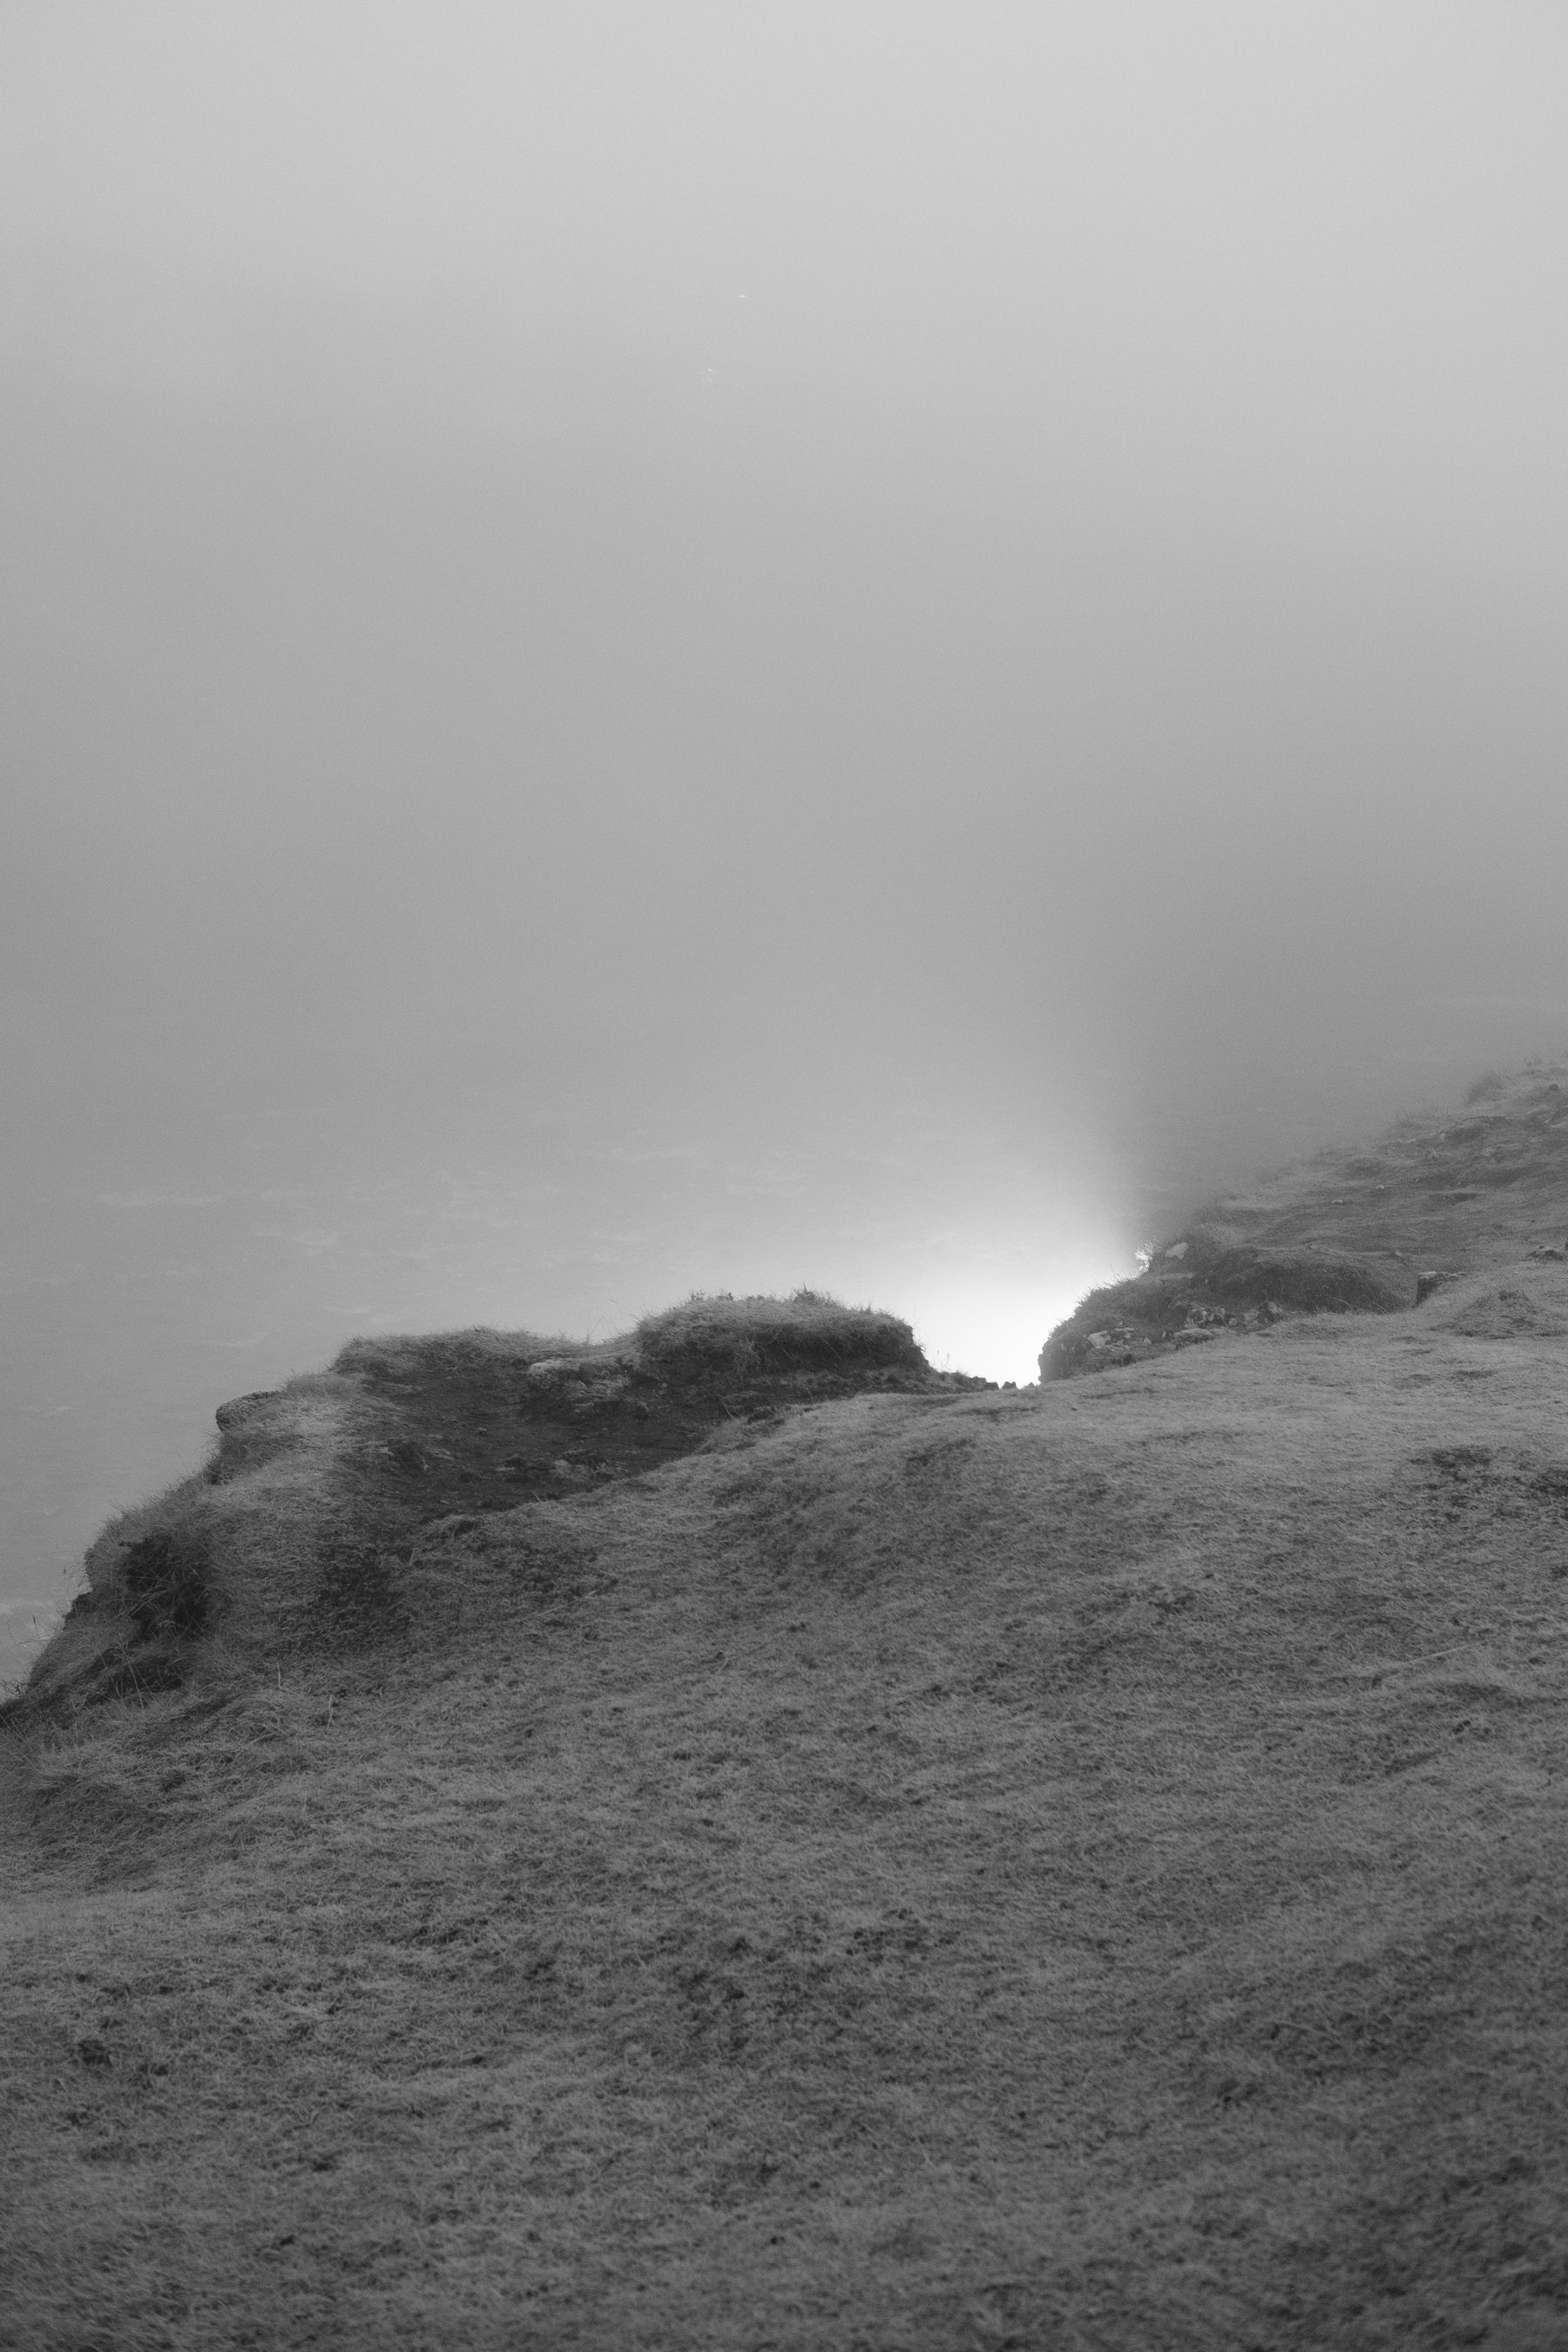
point(721, 1337)
point(168, 1575)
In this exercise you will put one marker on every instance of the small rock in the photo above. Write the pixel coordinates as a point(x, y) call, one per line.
point(1178, 1249)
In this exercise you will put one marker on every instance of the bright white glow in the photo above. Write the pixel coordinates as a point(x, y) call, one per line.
point(989, 1324)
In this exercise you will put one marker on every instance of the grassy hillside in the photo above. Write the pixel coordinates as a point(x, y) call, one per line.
point(1371, 1228)
point(884, 1863)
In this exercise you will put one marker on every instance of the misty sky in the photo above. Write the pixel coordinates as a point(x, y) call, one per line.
point(969, 598)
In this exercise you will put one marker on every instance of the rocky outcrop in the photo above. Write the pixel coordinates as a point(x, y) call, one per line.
point(1368, 1229)
point(1205, 1285)
point(302, 1525)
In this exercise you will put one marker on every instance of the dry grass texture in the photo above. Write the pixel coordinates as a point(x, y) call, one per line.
point(1080, 1870)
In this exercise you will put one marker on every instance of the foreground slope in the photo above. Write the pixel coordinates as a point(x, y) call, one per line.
point(1083, 1868)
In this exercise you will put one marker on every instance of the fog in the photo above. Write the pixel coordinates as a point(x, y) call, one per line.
point(651, 647)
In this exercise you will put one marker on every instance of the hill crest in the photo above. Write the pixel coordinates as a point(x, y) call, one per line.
point(924, 1865)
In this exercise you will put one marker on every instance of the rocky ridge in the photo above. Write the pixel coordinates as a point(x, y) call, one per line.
point(300, 1528)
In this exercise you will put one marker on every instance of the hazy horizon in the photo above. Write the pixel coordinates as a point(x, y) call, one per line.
point(703, 649)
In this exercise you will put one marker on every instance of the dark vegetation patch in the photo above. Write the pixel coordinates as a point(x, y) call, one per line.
point(1215, 1289)
point(719, 1342)
point(491, 1419)
point(1313, 1281)
point(167, 1577)
point(435, 1427)
point(155, 1606)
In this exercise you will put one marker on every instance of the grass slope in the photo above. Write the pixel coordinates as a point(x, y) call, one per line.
point(1084, 1868)
point(1368, 1229)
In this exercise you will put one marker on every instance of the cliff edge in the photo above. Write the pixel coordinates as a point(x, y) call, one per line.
point(729, 1838)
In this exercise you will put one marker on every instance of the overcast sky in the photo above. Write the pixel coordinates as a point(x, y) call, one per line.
point(800, 564)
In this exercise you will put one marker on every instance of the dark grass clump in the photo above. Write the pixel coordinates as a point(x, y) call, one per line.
point(154, 1604)
point(404, 1359)
point(737, 1339)
point(1214, 1287)
point(167, 1580)
point(1313, 1281)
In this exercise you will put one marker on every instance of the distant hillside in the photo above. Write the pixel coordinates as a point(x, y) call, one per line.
point(729, 1840)
point(1371, 1228)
